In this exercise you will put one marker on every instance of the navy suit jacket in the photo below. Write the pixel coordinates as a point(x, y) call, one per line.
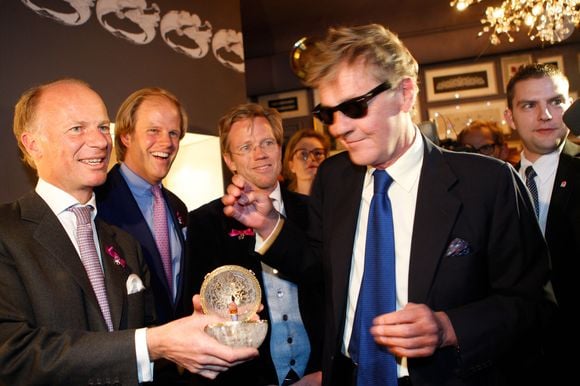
point(493, 295)
point(116, 205)
point(210, 246)
point(51, 327)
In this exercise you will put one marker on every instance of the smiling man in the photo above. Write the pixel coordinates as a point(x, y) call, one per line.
point(149, 126)
point(251, 143)
point(550, 165)
point(75, 298)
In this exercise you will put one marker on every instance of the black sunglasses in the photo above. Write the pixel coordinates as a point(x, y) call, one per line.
point(352, 108)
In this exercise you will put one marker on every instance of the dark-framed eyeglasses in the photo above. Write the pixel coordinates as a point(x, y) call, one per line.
point(353, 108)
point(486, 149)
point(318, 154)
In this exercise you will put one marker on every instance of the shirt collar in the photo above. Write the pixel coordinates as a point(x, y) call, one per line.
point(58, 200)
point(545, 165)
point(406, 170)
point(138, 186)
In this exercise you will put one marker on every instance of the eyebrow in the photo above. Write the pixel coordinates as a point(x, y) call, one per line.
point(551, 99)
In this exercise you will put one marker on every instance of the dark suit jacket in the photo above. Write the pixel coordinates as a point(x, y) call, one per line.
point(51, 327)
point(563, 227)
point(116, 205)
point(492, 295)
point(210, 246)
point(563, 237)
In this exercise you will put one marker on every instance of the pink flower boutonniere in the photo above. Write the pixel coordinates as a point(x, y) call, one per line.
point(179, 219)
point(241, 233)
point(111, 251)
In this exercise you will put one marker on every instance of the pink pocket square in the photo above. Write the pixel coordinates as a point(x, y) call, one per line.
point(458, 247)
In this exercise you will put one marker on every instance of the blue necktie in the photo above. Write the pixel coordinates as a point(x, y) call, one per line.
point(376, 366)
point(533, 188)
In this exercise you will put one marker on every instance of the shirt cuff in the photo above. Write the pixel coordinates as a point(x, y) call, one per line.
point(144, 364)
point(262, 246)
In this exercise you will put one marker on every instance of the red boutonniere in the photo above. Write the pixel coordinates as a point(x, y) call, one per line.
point(179, 219)
point(111, 251)
point(241, 233)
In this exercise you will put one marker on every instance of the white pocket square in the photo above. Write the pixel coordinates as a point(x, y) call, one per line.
point(134, 284)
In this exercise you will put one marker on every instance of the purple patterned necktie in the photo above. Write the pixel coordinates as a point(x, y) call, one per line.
point(90, 259)
point(161, 232)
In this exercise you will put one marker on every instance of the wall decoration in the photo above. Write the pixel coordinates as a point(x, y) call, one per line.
point(138, 21)
point(80, 13)
point(289, 104)
point(510, 64)
point(459, 115)
point(557, 61)
point(461, 82)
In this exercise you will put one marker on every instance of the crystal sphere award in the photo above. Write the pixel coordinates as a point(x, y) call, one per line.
point(233, 293)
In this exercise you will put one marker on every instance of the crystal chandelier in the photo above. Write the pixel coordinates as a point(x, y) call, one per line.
point(548, 20)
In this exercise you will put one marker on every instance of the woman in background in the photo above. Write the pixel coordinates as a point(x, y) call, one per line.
point(305, 150)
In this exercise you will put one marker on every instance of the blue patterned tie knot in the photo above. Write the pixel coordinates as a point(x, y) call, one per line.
point(377, 296)
point(382, 181)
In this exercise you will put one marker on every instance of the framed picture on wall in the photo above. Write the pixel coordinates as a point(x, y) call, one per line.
point(510, 64)
point(557, 61)
point(460, 82)
point(455, 117)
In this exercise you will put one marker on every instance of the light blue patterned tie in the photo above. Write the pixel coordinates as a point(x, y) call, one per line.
point(376, 366)
point(533, 188)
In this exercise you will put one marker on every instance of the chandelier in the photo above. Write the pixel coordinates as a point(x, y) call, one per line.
point(548, 20)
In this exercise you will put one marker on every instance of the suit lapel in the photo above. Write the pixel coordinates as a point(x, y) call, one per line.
point(177, 223)
point(343, 221)
point(565, 183)
point(133, 222)
point(115, 276)
point(52, 236)
point(435, 205)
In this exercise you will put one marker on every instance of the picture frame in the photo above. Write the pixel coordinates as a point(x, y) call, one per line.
point(461, 82)
point(451, 119)
point(291, 104)
point(511, 64)
point(556, 60)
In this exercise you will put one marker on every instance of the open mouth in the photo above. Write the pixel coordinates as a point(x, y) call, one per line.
point(93, 161)
point(160, 154)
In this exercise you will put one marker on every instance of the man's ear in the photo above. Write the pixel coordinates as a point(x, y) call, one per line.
point(126, 139)
point(229, 162)
point(408, 87)
point(509, 118)
point(31, 144)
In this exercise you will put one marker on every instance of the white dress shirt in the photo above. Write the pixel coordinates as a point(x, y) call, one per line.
point(545, 168)
point(403, 195)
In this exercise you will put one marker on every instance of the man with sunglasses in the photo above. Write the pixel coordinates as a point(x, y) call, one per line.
point(251, 143)
point(470, 264)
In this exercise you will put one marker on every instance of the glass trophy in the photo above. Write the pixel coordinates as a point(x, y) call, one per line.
point(233, 293)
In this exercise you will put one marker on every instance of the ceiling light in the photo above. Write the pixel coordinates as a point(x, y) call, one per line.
point(548, 20)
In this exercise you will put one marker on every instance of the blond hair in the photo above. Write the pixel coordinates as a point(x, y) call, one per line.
point(380, 49)
point(249, 111)
point(127, 115)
